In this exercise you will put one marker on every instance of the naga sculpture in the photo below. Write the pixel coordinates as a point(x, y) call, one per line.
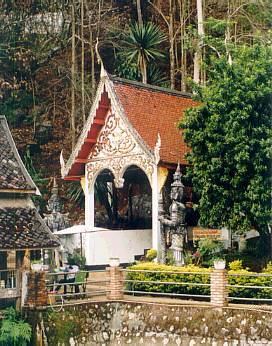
point(173, 227)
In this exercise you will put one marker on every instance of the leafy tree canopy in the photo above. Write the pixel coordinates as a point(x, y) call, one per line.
point(230, 137)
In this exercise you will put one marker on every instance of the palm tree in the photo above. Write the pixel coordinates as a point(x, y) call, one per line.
point(141, 45)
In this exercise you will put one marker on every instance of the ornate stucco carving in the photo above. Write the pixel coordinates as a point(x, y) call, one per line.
point(114, 139)
point(116, 149)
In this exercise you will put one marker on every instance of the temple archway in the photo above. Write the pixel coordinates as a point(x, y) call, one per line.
point(126, 208)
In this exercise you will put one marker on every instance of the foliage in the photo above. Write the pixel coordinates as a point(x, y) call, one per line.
point(264, 293)
point(26, 43)
point(76, 259)
point(230, 136)
point(141, 45)
point(210, 250)
point(64, 327)
point(76, 194)
point(14, 331)
point(151, 254)
point(258, 247)
point(130, 70)
point(236, 265)
point(176, 275)
point(170, 259)
point(268, 268)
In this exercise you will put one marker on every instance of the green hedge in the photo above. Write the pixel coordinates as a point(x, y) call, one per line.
point(178, 275)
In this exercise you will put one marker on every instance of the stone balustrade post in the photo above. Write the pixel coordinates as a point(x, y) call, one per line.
point(219, 293)
point(115, 284)
point(36, 289)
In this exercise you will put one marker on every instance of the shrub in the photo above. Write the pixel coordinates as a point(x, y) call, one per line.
point(177, 275)
point(268, 268)
point(210, 249)
point(151, 254)
point(236, 265)
point(173, 274)
point(244, 280)
point(14, 331)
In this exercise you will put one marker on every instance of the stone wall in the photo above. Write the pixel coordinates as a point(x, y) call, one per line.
point(121, 323)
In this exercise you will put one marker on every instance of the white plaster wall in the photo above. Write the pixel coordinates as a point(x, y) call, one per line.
point(124, 244)
point(72, 241)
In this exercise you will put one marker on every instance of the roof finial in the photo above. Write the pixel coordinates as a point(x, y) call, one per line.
point(62, 164)
point(177, 176)
point(103, 72)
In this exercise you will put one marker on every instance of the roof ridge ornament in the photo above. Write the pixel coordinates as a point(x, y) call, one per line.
point(103, 72)
point(62, 163)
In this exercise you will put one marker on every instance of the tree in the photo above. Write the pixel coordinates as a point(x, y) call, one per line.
point(230, 137)
point(141, 44)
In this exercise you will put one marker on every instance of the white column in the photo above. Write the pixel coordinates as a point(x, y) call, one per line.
point(89, 219)
point(155, 204)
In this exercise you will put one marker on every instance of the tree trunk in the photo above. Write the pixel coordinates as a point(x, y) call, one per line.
point(82, 64)
point(139, 13)
point(143, 68)
point(182, 16)
point(73, 77)
point(92, 55)
point(200, 30)
point(171, 42)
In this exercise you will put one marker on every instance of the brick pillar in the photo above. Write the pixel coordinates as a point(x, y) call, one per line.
point(36, 289)
point(115, 285)
point(218, 288)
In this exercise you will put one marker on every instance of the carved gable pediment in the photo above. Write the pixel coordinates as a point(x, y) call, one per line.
point(114, 140)
point(116, 149)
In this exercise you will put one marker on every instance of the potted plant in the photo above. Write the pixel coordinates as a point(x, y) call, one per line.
point(219, 263)
point(114, 261)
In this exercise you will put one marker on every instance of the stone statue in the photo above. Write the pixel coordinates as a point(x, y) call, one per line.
point(173, 227)
point(56, 220)
point(54, 204)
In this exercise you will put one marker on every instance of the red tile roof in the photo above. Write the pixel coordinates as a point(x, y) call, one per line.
point(152, 110)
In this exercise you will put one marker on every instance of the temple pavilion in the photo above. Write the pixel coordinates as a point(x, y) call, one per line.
point(22, 230)
point(125, 157)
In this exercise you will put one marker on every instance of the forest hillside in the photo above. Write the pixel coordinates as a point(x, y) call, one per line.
point(49, 66)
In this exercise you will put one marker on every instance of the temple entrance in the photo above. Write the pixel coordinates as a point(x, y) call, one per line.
point(126, 208)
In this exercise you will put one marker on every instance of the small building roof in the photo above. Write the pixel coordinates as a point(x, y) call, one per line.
point(150, 111)
point(21, 226)
point(14, 177)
